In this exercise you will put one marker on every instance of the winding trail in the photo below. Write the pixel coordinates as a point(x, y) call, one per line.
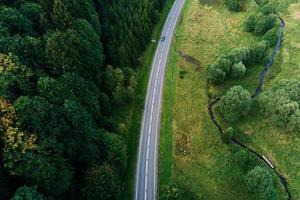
point(257, 92)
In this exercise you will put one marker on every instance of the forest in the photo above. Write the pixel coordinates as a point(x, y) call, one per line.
point(64, 65)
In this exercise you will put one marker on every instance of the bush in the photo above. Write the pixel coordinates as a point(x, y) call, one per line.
point(233, 5)
point(223, 68)
point(28, 193)
point(260, 52)
point(225, 64)
point(240, 55)
point(215, 73)
point(235, 104)
point(260, 182)
point(281, 104)
point(244, 160)
point(271, 37)
point(259, 24)
point(249, 24)
point(238, 70)
point(264, 23)
point(172, 192)
point(267, 9)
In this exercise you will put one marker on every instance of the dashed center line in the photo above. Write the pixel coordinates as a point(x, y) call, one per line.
point(162, 49)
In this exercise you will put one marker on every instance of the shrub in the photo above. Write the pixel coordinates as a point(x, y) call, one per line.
point(281, 104)
point(225, 64)
point(260, 182)
point(240, 55)
point(244, 160)
point(28, 193)
point(235, 104)
point(249, 24)
point(172, 192)
point(267, 9)
point(238, 70)
point(271, 36)
point(260, 52)
point(264, 23)
point(219, 71)
point(233, 5)
point(215, 73)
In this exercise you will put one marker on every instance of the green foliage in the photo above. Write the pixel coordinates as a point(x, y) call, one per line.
point(250, 23)
point(238, 70)
point(264, 24)
point(52, 72)
point(235, 104)
point(272, 36)
point(23, 157)
point(79, 41)
point(35, 13)
point(62, 16)
point(101, 182)
point(281, 104)
point(231, 65)
point(14, 78)
point(260, 52)
point(244, 160)
point(28, 193)
point(215, 73)
point(14, 21)
point(268, 9)
point(172, 192)
point(116, 151)
point(132, 29)
point(260, 182)
point(233, 5)
point(259, 24)
point(119, 85)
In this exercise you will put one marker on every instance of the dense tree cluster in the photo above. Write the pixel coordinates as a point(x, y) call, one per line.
point(233, 5)
point(235, 104)
point(261, 22)
point(27, 193)
point(281, 104)
point(234, 64)
point(64, 65)
point(126, 28)
point(260, 181)
point(230, 65)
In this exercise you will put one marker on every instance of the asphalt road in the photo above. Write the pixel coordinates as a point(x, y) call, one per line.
point(146, 173)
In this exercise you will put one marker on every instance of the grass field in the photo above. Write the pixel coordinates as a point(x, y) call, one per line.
point(191, 151)
point(282, 147)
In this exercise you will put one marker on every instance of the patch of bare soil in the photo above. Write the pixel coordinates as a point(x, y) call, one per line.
point(192, 60)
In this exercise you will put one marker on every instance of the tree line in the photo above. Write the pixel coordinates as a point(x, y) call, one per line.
point(64, 65)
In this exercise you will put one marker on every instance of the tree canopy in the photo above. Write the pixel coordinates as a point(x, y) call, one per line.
point(65, 66)
point(281, 104)
point(235, 104)
point(260, 182)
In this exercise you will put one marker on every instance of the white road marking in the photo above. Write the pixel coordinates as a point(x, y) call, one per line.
point(158, 69)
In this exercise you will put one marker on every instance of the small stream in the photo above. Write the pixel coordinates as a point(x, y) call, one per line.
point(257, 92)
point(269, 64)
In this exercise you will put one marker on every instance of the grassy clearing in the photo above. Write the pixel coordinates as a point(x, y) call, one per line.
point(130, 116)
point(191, 151)
point(281, 146)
